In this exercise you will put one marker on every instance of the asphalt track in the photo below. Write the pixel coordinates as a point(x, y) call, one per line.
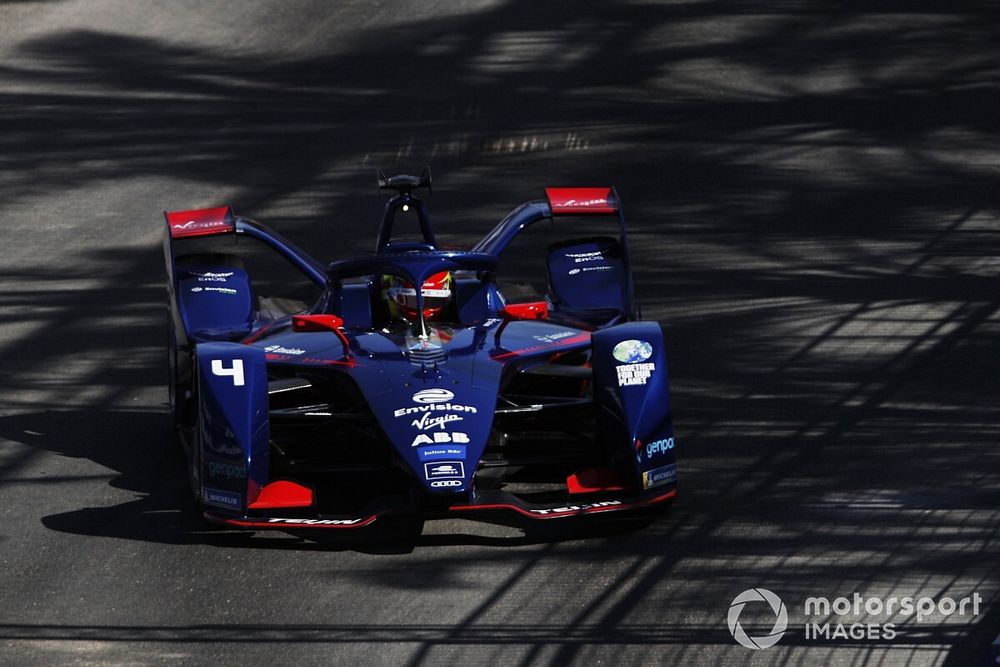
point(813, 194)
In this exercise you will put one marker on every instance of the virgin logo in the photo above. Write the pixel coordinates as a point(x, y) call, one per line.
point(194, 224)
point(585, 202)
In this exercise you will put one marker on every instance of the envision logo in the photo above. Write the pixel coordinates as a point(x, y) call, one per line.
point(435, 395)
point(777, 606)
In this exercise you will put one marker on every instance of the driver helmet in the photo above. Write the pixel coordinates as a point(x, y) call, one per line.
point(401, 297)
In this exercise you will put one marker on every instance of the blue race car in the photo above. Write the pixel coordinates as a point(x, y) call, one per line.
point(412, 386)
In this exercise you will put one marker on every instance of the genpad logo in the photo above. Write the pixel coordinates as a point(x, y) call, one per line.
point(777, 606)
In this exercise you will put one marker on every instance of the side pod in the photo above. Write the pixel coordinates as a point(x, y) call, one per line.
point(633, 393)
point(232, 424)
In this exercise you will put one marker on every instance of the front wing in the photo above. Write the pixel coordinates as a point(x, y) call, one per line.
point(631, 398)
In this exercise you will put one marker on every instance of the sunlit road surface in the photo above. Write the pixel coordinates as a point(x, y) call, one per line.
point(812, 197)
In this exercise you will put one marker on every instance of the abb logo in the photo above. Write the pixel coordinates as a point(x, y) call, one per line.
point(439, 438)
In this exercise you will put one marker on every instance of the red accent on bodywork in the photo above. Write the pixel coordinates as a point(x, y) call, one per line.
point(282, 493)
point(260, 332)
point(201, 222)
point(572, 340)
point(317, 361)
point(348, 362)
point(581, 201)
point(592, 480)
point(305, 323)
point(536, 310)
point(590, 510)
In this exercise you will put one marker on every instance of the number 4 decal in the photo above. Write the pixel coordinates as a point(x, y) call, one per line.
point(236, 372)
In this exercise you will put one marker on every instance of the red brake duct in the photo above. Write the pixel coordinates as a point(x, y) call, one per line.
point(282, 493)
point(593, 480)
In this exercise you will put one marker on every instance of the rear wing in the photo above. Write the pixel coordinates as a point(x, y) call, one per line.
point(201, 222)
point(194, 223)
point(570, 202)
point(582, 201)
point(559, 202)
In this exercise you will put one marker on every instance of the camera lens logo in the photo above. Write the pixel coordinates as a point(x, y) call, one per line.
point(780, 622)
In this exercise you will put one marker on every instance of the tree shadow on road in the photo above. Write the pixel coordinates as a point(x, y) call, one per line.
point(813, 206)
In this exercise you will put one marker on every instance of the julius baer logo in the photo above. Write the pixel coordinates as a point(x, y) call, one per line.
point(758, 618)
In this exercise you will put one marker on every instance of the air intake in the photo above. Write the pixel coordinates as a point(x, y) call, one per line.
point(426, 353)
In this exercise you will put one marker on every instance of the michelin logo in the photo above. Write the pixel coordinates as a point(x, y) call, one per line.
point(225, 499)
point(659, 476)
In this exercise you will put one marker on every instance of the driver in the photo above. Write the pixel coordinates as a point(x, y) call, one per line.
point(401, 297)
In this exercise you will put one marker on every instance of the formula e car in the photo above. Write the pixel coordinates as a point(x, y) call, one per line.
point(413, 386)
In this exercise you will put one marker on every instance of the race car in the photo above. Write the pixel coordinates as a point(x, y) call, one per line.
point(413, 386)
